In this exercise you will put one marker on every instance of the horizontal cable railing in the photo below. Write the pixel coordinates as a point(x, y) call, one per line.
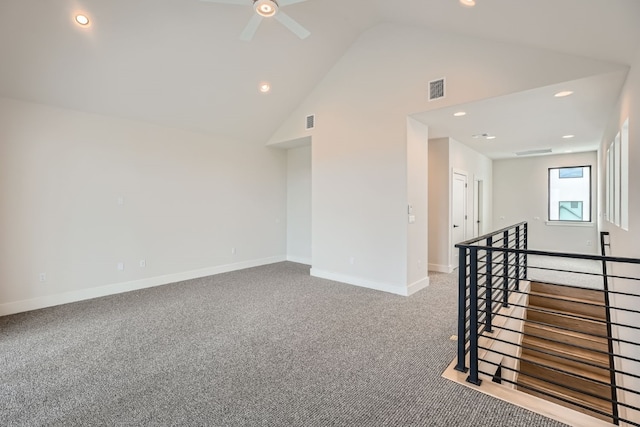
point(555, 325)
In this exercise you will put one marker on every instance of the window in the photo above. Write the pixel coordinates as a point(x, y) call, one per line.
point(624, 176)
point(570, 194)
point(617, 179)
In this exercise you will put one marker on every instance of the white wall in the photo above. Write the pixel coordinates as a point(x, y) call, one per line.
point(445, 156)
point(520, 193)
point(359, 162)
point(478, 167)
point(188, 199)
point(439, 206)
point(418, 209)
point(299, 205)
point(624, 243)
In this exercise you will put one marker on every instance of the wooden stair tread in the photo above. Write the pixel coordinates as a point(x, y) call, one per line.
point(571, 406)
point(568, 291)
point(581, 317)
point(552, 364)
point(599, 303)
point(569, 336)
point(579, 307)
point(569, 384)
point(585, 324)
point(565, 350)
point(596, 309)
point(574, 397)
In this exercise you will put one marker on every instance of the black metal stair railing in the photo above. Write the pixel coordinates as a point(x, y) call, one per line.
point(604, 243)
point(508, 273)
point(491, 271)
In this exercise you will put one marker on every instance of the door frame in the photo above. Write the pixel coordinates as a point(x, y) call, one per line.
point(453, 253)
point(478, 205)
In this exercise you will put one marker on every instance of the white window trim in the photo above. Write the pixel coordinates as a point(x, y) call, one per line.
point(570, 223)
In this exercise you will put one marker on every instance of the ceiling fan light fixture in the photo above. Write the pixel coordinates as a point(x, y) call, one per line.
point(266, 8)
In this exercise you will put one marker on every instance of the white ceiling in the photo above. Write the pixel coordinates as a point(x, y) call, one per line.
point(599, 29)
point(533, 119)
point(180, 63)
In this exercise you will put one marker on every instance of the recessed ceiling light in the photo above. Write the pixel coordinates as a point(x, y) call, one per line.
point(468, 3)
point(82, 19)
point(460, 114)
point(264, 87)
point(568, 136)
point(569, 151)
point(563, 94)
point(490, 137)
point(266, 8)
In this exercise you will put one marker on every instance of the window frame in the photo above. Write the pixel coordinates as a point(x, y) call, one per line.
point(589, 218)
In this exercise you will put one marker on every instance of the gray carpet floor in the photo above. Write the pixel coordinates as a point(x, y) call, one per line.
point(267, 346)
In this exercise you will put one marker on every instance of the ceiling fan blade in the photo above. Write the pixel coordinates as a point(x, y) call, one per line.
point(251, 28)
point(288, 2)
point(292, 25)
point(238, 2)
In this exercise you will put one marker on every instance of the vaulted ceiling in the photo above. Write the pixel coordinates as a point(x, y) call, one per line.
point(180, 63)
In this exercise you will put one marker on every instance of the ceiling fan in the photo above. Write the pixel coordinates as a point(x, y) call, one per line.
point(267, 9)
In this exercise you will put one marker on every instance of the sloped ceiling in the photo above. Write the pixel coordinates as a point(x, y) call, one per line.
point(605, 30)
point(174, 62)
point(180, 63)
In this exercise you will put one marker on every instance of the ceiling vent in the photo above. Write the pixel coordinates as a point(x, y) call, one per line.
point(310, 122)
point(436, 89)
point(533, 152)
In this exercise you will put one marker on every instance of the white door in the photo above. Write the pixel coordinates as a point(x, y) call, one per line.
point(459, 212)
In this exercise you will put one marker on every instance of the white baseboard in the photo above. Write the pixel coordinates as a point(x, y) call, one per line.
point(116, 288)
point(365, 283)
point(417, 286)
point(441, 268)
point(299, 260)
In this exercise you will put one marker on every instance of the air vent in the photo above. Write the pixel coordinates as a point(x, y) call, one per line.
point(310, 122)
point(533, 152)
point(436, 89)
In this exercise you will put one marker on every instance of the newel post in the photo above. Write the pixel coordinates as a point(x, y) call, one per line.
point(462, 309)
point(473, 317)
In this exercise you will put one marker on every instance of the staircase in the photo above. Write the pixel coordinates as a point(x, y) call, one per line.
point(559, 347)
